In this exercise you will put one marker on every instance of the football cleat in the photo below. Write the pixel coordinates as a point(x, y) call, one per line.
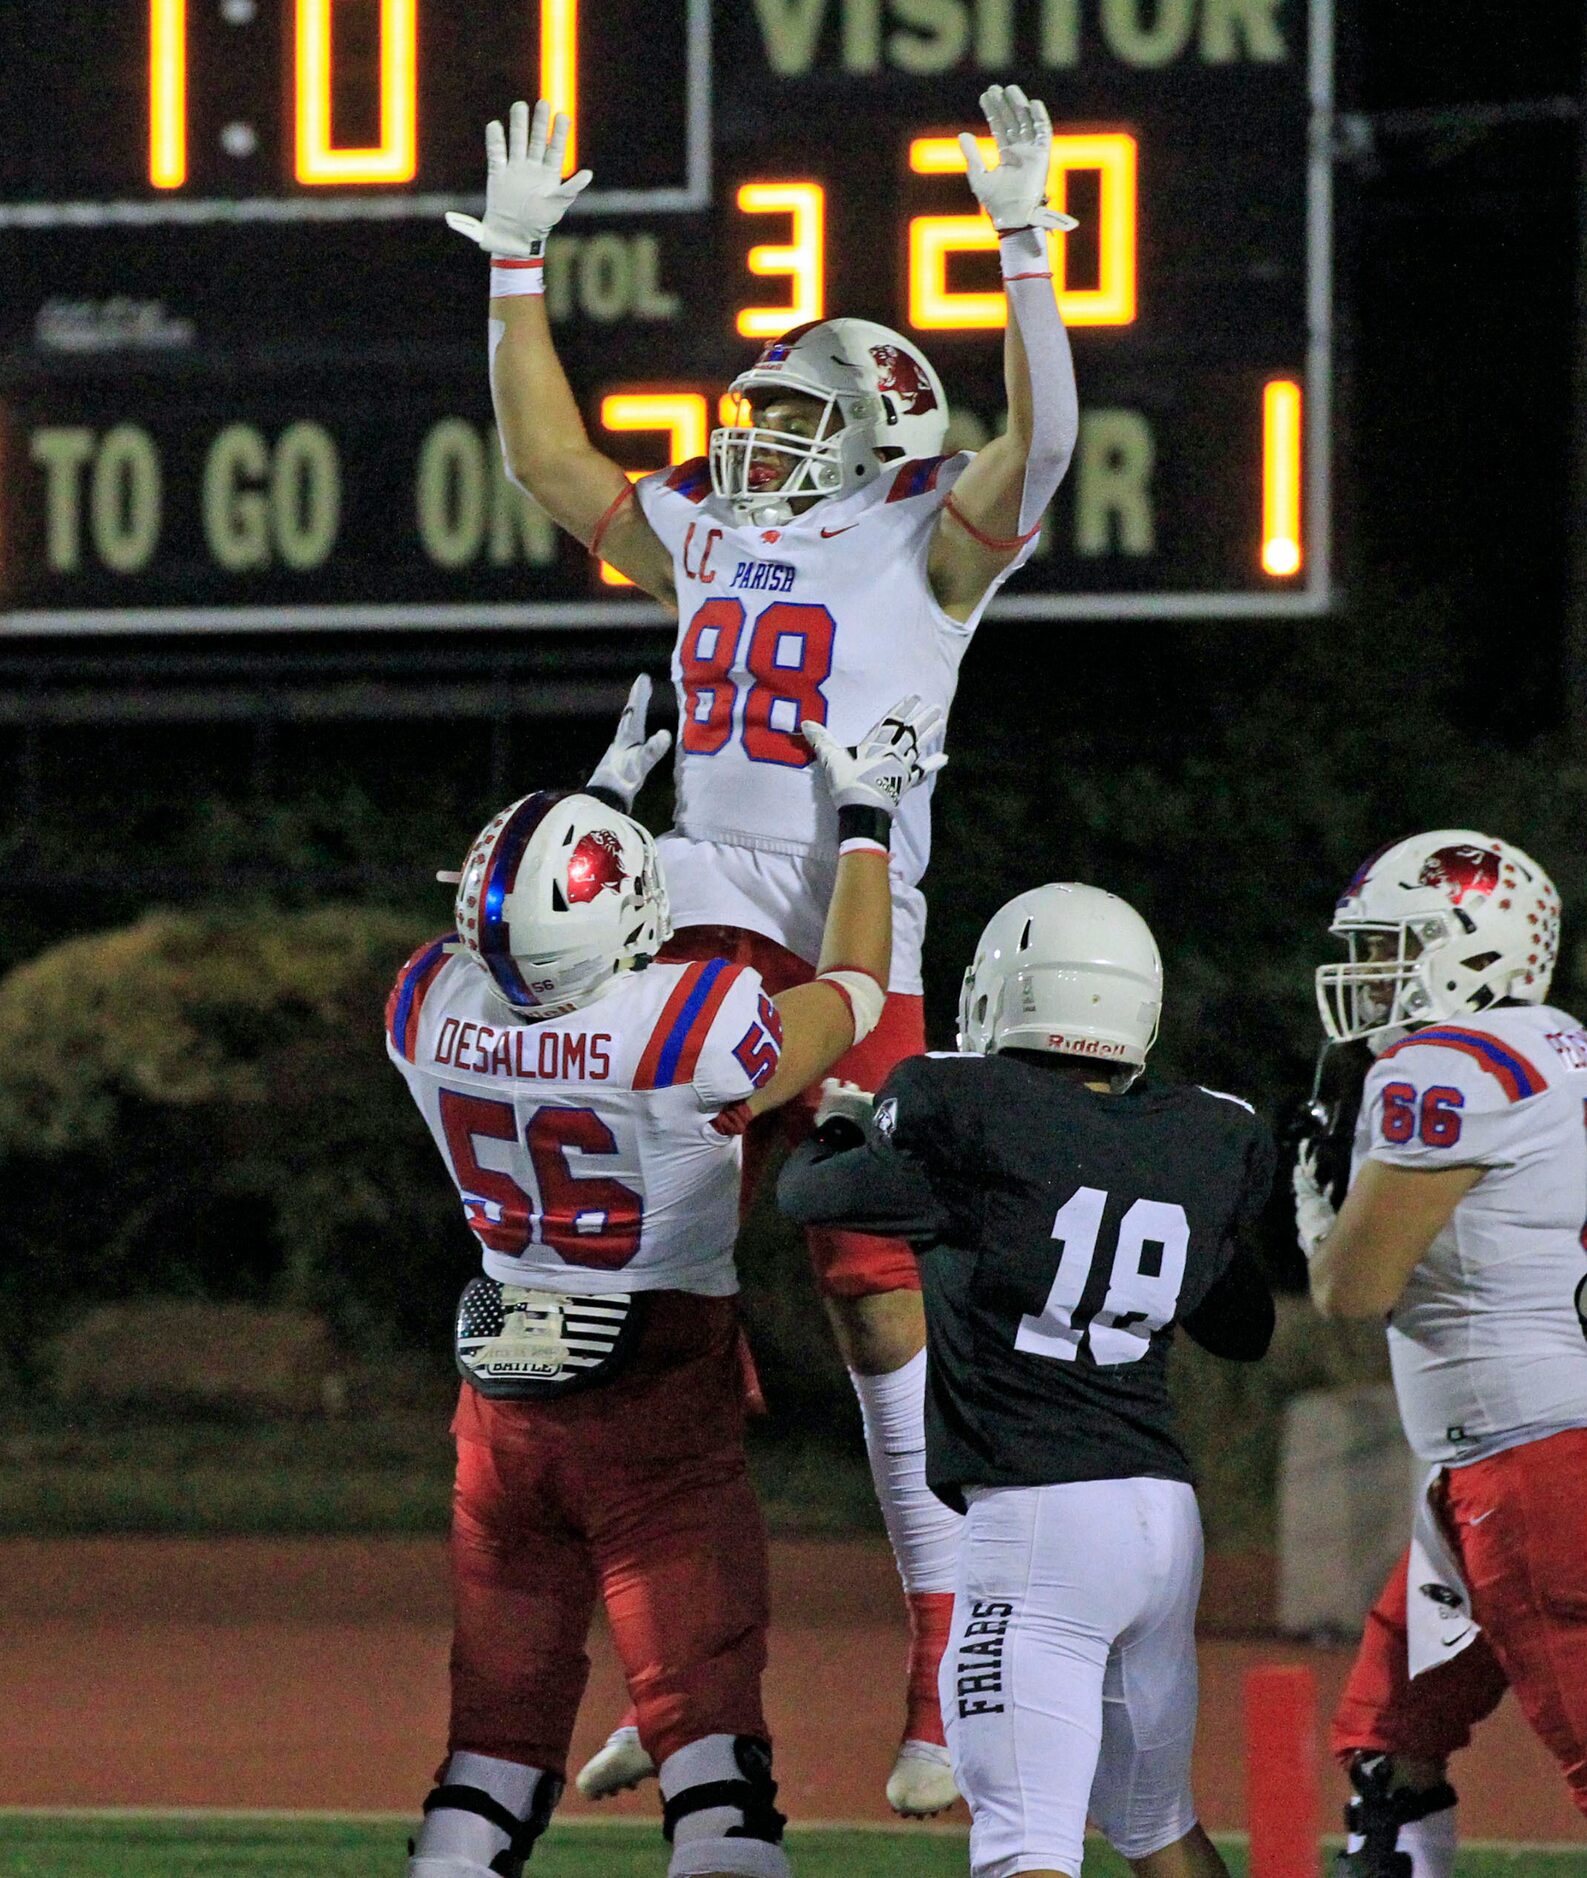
point(921, 1782)
point(617, 1767)
point(1375, 1814)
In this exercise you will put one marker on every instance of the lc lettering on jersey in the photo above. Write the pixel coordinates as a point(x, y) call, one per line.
point(544, 1056)
point(978, 1674)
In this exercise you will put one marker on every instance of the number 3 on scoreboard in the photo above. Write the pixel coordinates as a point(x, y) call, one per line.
point(789, 659)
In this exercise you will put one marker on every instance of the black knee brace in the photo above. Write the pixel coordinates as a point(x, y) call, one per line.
point(521, 1833)
point(753, 1794)
point(1377, 1814)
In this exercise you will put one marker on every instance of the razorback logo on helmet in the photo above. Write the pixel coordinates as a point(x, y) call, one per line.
point(899, 376)
point(1460, 871)
point(595, 864)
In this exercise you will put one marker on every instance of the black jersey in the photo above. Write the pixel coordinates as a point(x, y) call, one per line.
point(1061, 1233)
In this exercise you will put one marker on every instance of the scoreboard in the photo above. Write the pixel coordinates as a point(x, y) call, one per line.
point(242, 360)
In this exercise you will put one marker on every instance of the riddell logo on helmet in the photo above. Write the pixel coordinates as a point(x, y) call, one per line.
point(1084, 1046)
point(898, 376)
point(1460, 871)
point(595, 864)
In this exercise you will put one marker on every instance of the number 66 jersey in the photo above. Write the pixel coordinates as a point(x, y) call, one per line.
point(600, 1151)
point(828, 616)
point(1487, 1341)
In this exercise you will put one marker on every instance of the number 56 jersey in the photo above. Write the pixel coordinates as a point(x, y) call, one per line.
point(828, 616)
point(1487, 1342)
point(597, 1152)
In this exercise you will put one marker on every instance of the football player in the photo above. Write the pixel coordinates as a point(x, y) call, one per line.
point(824, 552)
point(589, 1103)
point(1463, 1225)
point(1066, 1216)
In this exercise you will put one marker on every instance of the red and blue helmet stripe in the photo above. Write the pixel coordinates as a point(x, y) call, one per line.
point(499, 876)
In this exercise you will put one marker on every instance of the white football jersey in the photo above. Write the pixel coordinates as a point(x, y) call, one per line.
point(1487, 1341)
point(600, 1151)
point(829, 616)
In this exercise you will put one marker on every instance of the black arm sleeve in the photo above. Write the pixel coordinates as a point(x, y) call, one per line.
point(1235, 1318)
point(872, 1188)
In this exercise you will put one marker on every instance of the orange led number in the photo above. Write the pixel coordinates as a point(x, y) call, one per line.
point(1281, 441)
point(396, 157)
point(681, 414)
point(802, 259)
point(168, 93)
point(934, 306)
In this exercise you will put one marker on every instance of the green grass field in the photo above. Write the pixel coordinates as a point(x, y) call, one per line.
point(185, 1846)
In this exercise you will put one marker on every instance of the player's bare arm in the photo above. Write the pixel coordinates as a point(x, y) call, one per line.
point(999, 501)
point(824, 1018)
point(1390, 1217)
point(544, 442)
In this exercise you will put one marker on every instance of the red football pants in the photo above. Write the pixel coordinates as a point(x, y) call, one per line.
point(847, 1264)
point(1519, 1526)
point(635, 1492)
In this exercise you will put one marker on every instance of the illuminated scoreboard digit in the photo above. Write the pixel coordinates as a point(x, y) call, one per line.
point(242, 372)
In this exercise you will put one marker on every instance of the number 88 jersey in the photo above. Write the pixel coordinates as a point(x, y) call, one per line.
point(828, 616)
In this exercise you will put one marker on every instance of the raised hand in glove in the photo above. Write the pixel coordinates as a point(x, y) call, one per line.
point(525, 196)
point(631, 755)
point(886, 761)
point(1314, 1211)
point(1015, 193)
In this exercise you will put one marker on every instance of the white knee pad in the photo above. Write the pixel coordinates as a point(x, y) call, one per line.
point(482, 1819)
point(719, 1812)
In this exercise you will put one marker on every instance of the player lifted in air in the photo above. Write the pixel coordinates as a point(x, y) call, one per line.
point(590, 1102)
point(1065, 1216)
point(825, 554)
point(1463, 1224)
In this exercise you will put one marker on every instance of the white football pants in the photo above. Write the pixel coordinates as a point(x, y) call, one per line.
point(1069, 1681)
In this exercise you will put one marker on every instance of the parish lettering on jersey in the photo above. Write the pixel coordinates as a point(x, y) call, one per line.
point(536, 1055)
point(767, 576)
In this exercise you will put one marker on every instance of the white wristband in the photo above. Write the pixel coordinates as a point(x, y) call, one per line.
point(509, 277)
point(863, 995)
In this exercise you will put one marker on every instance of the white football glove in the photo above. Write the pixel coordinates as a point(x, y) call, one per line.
point(844, 1101)
point(1314, 1211)
point(885, 762)
point(525, 196)
point(1015, 193)
point(631, 755)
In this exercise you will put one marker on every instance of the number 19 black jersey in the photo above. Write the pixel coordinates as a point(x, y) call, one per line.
point(1061, 1233)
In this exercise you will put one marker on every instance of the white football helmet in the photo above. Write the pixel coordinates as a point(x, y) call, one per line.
point(1065, 968)
point(881, 385)
point(558, 895)
point(1439, 925)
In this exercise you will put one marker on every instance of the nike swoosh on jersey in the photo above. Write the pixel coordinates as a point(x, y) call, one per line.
point(827, 533)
